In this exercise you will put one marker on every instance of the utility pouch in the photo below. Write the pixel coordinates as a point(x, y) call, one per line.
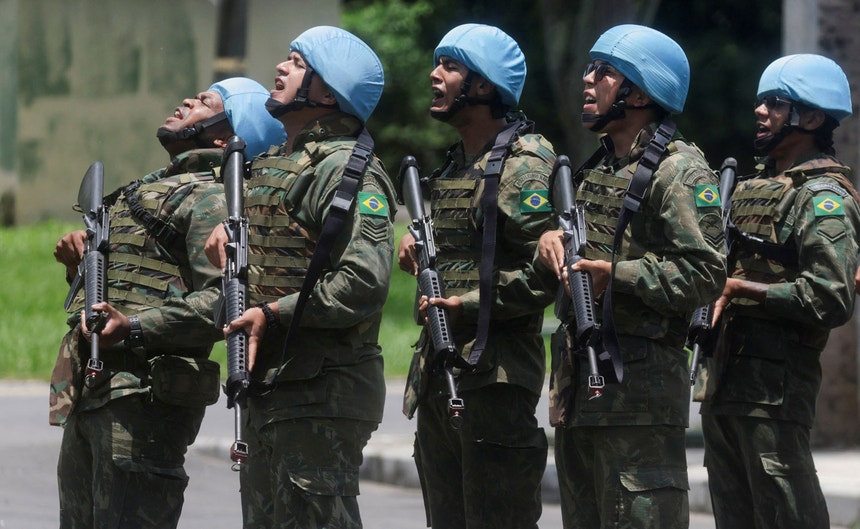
point(183, 381)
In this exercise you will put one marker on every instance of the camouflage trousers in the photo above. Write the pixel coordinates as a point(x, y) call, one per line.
point(622, 477)
point(121, 465)
point(488, 473)
point(761, 474)
point(303, 473)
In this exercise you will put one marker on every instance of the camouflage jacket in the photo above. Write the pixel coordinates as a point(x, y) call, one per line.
point(670, 263)
point(168, 282)
point(333, 367)
point(515, 352)
point(767, 360)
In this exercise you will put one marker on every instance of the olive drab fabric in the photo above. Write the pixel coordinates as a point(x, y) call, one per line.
point(652, 301)
point(499, 455)
point(455, 196)
point(812, 210)
point(110, 472)
point(759, 389)
point(621, 457)
point(306, 435)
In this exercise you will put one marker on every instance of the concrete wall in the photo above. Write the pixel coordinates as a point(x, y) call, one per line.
point(89, 80)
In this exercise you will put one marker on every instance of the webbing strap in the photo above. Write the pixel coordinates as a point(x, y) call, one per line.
point(489, 207)
point(633, 198)
point(339, 208)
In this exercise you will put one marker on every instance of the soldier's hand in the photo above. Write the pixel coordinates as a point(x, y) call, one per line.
point(600, 271)
point(551, 252)
point(115, 329)
point(70, 250)
point(454, 306)
point(406, 258)
point(214, 247)
point(253, 322)
point(857, 281)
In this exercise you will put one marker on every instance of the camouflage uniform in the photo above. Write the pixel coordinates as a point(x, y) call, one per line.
point(305, 437)
point(499, 456)
point(124, 440)
point(761, 385)
point(621, 458)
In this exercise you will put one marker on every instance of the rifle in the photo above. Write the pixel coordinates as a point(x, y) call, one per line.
point(571, 221)
point(430, 284)
point(701, 336)
point(92, 270)
point(234, 291)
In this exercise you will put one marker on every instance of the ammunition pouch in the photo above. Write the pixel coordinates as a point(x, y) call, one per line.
point(184, 381)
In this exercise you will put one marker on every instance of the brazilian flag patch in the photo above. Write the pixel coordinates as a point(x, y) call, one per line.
point(827, 206)
point(534, 200)
point(372, 204)
point(707, 196)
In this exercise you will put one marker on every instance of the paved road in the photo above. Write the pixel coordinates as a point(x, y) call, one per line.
point(29, 447)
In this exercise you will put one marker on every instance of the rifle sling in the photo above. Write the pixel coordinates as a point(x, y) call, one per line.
point(633, 198)
point(341, 204)
point(489, 207)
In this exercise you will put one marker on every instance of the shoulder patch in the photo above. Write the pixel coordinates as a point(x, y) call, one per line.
point(707, 196)
point(372, 204)
point(828, 186)
point(828, 206)
point(534, 200)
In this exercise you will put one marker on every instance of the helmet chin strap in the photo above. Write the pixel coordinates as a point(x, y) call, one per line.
point(616, 111)
point(166, 136)
point(769, 143)
point(278, 109)
point(460, 102)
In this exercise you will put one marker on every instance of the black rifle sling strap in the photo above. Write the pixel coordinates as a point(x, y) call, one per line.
point(341, 204)
point(636, 190)
point(489, 207)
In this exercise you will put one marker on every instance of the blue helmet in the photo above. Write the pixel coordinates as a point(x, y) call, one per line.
point(811, 80)
point(245, 107)
point(490, 52)
point(346, 65)
point(651, 60)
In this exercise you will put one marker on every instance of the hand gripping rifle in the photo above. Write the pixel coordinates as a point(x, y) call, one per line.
point(234, 291)
point(701, 336)
point(571, 221)
point(92, 270)
point(430, 284)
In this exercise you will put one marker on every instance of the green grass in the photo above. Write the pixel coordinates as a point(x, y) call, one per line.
point(32, 292)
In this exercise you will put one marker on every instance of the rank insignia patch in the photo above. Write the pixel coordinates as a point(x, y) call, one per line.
point(707, 196)
point(827, 206)
point(372, 204)
point(534, 200)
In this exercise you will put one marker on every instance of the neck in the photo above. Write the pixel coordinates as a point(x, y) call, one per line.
point(476, 130)
point(296, 121)
point(623, 132)
point(793, 148)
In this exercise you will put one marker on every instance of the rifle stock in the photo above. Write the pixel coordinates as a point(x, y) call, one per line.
point(701, 334)
point(234, 291)
point(430, 284)
point(571, 221)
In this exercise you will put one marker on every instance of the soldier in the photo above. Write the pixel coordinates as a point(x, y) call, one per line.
point(123, 448)
point(488, 473)
point(621, 457)
point(321, 395)
point(792, 259)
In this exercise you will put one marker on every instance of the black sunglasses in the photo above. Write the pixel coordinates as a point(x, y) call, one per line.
point(772, 102)
point(600, 70)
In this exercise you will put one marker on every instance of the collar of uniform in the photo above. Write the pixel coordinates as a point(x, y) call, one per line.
point(337, 124)
point(194, 161)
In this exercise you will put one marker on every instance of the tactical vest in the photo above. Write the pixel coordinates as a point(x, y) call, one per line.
point(763, 218)
point(279, 246)
point(457, 220)
point(144, 269)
